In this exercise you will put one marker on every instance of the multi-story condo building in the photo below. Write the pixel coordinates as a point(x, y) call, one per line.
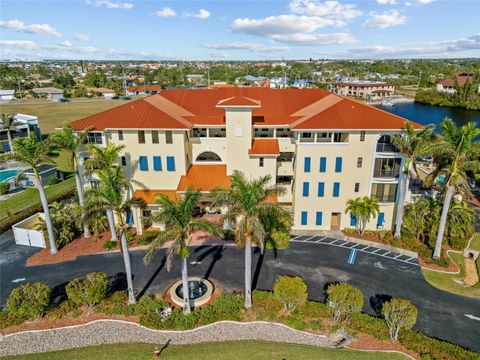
point(370, 90)
point(325, 149)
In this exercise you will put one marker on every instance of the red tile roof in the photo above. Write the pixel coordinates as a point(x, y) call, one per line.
point(184, 108)
point(204, 178)
point(150, 195)
point(239, 101)
point(461, 80)
point(264, 147)
point(144, 88)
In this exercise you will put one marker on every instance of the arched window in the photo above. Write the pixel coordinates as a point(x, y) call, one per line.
point(208, 156)
point(384, 144)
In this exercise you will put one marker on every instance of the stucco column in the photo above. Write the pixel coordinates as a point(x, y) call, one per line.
point(137, 218)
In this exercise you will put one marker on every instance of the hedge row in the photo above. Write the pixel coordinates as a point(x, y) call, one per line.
point(13, 219)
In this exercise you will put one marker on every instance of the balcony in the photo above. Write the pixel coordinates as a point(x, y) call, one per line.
point(394, 173)
point(386, 148)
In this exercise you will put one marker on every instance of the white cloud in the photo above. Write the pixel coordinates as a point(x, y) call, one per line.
point(110, 4)
point(328, 9)
point(292, 29)
point(201, 14)
point(165, 12)
point(385, 20)
point(246, 46)
point(447, 48)
point(19, 44)
point(386, 2)
point(20, 26)
point(82, 37)
point(425, 1)
point(65, 44)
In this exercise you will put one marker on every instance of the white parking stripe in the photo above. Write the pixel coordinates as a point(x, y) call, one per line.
point(397, 256)
point(319, 240)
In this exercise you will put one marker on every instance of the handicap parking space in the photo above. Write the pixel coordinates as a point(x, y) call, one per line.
point(355, 248)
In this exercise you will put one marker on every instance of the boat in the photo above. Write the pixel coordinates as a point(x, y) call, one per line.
point(386, 102)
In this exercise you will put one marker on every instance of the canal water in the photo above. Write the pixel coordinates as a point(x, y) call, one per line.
point(428, 114)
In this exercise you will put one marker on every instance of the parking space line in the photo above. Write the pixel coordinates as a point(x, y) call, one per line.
point(320, 240)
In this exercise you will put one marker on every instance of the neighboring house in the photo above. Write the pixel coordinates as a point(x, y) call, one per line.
point(278, 82)
point(249, 80)
point(143, 90)
point(7, 95)
point(50, 93)
point(302, 84)
point(448, 85)
point(325, 149)
point(195, 79)
point(48, 174)
point(369, 90)
point(106, 93)
point(27, 125)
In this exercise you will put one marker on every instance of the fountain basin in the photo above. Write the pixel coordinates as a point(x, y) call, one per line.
point(200, 291)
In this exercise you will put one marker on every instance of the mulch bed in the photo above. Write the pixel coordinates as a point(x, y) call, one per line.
point(87, 315)
point(78, 247)
point(355, 235)
point(368, 342)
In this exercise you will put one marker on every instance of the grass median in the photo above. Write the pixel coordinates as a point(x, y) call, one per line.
point(235, 350)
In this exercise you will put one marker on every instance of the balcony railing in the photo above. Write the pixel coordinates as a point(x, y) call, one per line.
point(384, 198)
point(395, 173)
point(386, 148)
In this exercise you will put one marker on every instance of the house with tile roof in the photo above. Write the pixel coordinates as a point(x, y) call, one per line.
point(323, 148)
point(448, 85)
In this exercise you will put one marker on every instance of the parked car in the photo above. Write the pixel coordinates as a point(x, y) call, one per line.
point(126, 98)
point(63, 100)
point(116, 97)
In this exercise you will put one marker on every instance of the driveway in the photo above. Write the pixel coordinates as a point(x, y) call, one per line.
point(441, 314)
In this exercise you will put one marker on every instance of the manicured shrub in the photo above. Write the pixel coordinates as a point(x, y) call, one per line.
point(109, 245)
point(116, 304)
point(225, 307)
point(4, 188)
point(344, 300)
point(30, 300)
point(399, 314)
point(278, 240)
point(147, 237)
point(88, 290)
point(7, 319)
point(291, 291)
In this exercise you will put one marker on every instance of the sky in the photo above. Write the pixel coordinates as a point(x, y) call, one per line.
point(238, 30)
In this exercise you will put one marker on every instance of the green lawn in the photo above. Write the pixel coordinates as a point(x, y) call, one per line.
point(447, 282)
point(237, 350)
point(475, 243)
point(30, 196)
point(51, 116)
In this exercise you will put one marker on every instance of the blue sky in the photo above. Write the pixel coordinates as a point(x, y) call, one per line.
point(238, 30)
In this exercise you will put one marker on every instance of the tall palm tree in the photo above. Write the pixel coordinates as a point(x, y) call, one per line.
point(177, 217)
point(32, 154)
point(455, 155)
point(410, 144)
point(246, 202)
point(111, 193)
point(9, 123)
point(362, 209)
point(104, 160)
point(72, 144)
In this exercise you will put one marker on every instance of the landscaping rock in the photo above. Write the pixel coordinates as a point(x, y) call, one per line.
point(115, 331)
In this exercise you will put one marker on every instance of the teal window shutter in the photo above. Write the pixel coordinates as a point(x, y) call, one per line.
point(336, 189)
point(157, 163)
point(170, 163)
point(338, 165)
point(323, 164)
point(143, 163)
point(318, 220)
point(304, 218)
point(321, 189)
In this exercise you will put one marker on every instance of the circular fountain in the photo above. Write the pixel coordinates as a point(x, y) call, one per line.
point(200, 291)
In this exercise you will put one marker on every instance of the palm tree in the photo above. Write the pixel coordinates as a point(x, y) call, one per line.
point(177, 217)
point(111, 194)
point(104, 160)
point(362, 209)
point(246, 202)
point(454, 154)
point(72, 144)
point(9, 123)
point(410, 144)
point(33, 154)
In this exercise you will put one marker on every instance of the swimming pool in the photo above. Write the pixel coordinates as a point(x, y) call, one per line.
point(8, 174)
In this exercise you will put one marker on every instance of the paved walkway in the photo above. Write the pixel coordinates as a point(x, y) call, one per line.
point(113, 331)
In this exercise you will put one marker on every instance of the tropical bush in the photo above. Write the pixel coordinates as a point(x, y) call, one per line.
point(460, 224)
point(65, 221)
point(109, 245)
point(344, 300)
point(291, 291)
point(30, 300)
point(88, 290)
point(278, 230)
point(362, 209)
point(4, 188)
point(147, 237)
point(399, 314)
